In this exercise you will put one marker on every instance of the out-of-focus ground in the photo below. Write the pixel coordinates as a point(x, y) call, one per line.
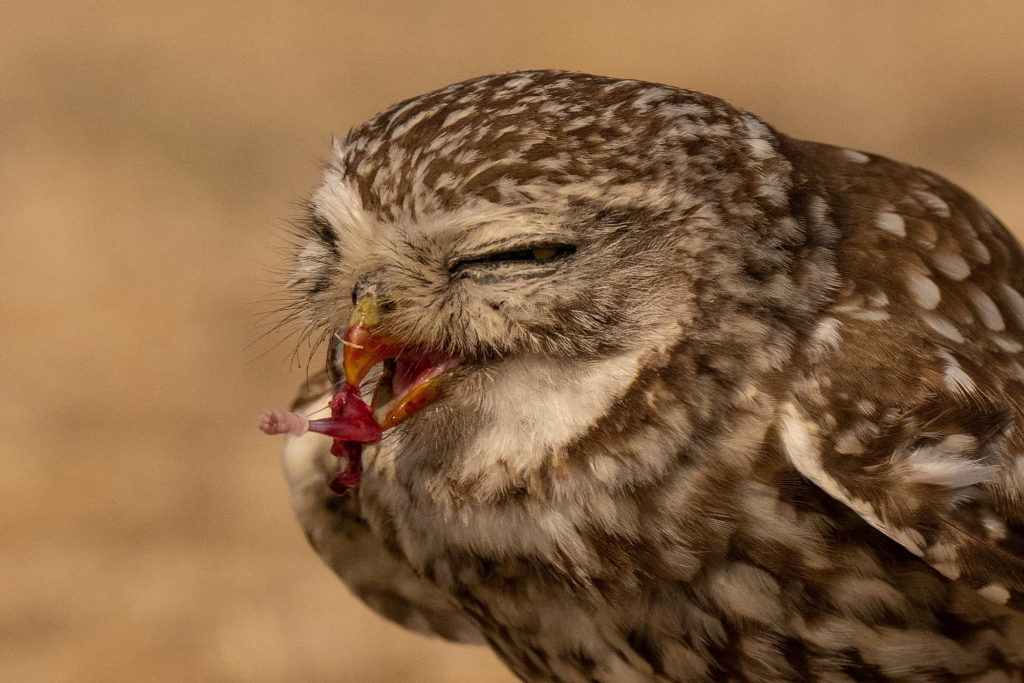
point(151, 155)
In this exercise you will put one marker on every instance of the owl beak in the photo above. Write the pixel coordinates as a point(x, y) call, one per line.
point(409, 381)
point(364, 348)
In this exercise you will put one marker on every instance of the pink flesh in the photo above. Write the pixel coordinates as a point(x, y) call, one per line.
point(350, 420)
point(348, 407)
point(412, 371)
point(351, 425)
point(283, 422)
point(348, 477)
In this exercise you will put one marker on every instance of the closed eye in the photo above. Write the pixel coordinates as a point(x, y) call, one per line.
point(539, 253)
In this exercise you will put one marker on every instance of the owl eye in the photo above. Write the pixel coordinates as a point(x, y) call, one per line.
point(539, 253)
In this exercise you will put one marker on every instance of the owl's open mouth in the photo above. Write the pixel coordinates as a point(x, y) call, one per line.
point(408, 381)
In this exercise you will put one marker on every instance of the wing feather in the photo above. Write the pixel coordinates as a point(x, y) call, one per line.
point(912, 416)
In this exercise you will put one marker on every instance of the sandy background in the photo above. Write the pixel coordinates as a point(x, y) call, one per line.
point(150, 158)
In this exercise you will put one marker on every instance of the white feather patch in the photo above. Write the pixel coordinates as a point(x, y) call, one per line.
point(825, 338)
point(996, 593)
point(339, 202)
point(947, 463)
point(957, 380)
point(534, 406)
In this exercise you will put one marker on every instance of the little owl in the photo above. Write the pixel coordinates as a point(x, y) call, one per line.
point(665, 394)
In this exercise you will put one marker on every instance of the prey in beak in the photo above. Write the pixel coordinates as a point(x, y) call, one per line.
point(407, 384)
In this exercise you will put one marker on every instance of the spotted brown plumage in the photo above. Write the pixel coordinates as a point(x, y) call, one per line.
point(695, 401)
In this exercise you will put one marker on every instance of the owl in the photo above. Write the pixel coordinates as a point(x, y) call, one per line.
point(630, 386)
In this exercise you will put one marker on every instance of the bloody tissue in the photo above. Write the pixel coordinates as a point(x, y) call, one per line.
point(351, 425)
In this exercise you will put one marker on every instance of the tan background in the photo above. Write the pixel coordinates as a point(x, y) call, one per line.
point(150, 160)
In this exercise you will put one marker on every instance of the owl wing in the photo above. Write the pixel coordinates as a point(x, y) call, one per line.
point(336, 529)
point(908, 404)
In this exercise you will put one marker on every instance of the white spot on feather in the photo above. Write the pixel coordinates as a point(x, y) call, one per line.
point(467, 156)
point(872, 316)
point(933, 203)
point(580, 122)
point(924, 290)
point(866, 408)
point(867, 598)
point(1013, 299)
point(517, 83)
point(958, 380)
point(915, 537)
point(943, 557)
point(1007, 344)
point(1015, 371)
point(947, 569)
point(977, 250)
point(456, 116)
point(877, 298)
point(995, 527)
point(916, 654)
point(760, 148)
point(985, 308)
point(756, 128)
point(848, 444)
point(996, 593)
point(825, 338)
point(401, 129)
point(746, 591)
point(553, 107)
point(947, 463)
point(649, 95)
point(892, 223)
point(856, 157)
point(925, 234)
point(943, 326)
point(605, 468)
point(949, 264)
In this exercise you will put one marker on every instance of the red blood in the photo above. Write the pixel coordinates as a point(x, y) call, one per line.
point(349, 477)
point(350, 420)
point(352, 425)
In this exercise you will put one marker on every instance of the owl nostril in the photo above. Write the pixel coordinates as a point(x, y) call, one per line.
point(366, 285)
point(371, 285)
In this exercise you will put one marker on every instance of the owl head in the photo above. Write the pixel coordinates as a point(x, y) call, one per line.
point(549, 222)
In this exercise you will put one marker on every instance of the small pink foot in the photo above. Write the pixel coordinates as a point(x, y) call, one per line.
point(283, 422)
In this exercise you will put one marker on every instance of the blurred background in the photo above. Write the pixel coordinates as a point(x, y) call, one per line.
point(151, 158)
